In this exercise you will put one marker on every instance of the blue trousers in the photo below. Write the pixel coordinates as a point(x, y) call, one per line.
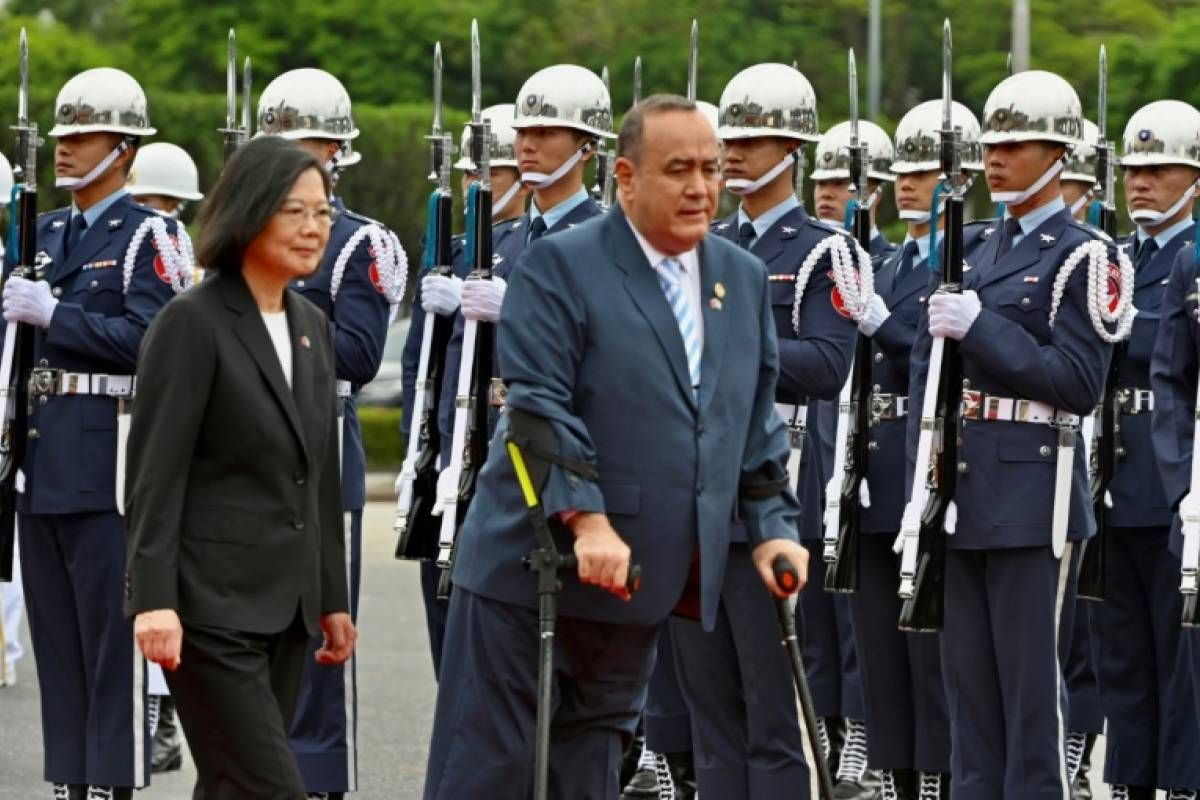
point(903, 690)
point(1193, 648)
point(94, 729)
point(435, 611)
point(737, 681)
point(324, 731)
point(1081, 671)
point(1153, 733)
point(1004, 686)
point(827, 641)
point(483, 728)
point(668, 723)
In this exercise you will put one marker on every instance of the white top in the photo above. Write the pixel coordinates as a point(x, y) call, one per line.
point(277, 327)
point(690, 269)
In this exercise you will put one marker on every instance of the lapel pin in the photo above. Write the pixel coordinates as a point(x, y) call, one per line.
point(113, 224)
point(723, 226)
point(305, 343)
point(719, 290)
point(788, 231)
point(714, 304)
point(1047, 238)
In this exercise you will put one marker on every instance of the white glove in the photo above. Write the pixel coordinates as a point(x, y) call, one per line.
point(951, 315)
point(28, 301)
point(441, 294)
point(481, 300)
point(447, 487)
point(876, 314)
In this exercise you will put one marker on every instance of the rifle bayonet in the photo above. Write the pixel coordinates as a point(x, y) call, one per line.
point(693, 61)
point(637, 80)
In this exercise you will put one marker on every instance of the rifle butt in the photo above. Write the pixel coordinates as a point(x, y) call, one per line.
point(924, 612)
point(841, 576)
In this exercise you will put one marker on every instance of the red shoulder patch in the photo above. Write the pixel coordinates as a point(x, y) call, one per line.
point(160, 269)
point(1114, 288)
point(839, 302)
point(376, 281)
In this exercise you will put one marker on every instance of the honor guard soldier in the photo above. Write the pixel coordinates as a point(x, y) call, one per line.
point(831, 177)
point(747, 738)
point(1079, 175)
point(1034, 350)
point(12, 594)
point(359, 284)
point(903, 691)
point(107, 266)
point(1150, 744)
point(439, 294)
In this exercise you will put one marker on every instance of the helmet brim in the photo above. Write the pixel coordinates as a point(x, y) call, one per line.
point(59, 131)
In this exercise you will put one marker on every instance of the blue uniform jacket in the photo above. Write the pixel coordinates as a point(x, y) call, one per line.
point(70, 465)
point(588, 341)
point(359, 317)
point(813, 365)
point(881, 247)
point(508, 242)
point(1136, 489)
point(891, 347)
point(1173, 373)
point(1006, 496)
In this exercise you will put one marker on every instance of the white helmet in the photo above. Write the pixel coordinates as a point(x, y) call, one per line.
point(769, 100)
point(166, 170)
point(350, 156)
point(711, 113)
point(919, 138)
point(565, 96)
point(1032, 106)
point(503, 150)
point(306, 104)
point(6, 181)
point(1081, 163)
point(833, 155)
point(102, 99)
point(1163, 132)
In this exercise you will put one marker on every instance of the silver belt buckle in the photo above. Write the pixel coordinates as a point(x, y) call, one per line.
point(497, 393)
point(43, 381)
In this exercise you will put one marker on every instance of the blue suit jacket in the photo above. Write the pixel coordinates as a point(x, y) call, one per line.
point(588, 341)
point(97, 327)
point(1137, 491)
point(359, 316)
point(1173, 372)
point(1006, 497)
point(814, 364)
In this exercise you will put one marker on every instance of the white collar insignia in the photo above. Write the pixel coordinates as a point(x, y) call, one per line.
point(1047, 238)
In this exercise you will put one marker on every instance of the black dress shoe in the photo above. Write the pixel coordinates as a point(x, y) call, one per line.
point(643, 784)
point(167, 752)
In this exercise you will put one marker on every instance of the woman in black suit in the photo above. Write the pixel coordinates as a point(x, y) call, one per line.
point(236, 552)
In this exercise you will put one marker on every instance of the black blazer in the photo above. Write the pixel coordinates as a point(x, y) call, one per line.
point(233, 499)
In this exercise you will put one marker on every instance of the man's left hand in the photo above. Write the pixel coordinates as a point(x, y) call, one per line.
point(766, 553)
point(951, 314)
point(340, 637)
point(28, 301)
point(481, 300)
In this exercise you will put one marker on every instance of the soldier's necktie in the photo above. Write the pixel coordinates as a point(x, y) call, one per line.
point(537, 229)
point(907, 256)
point(1146, 251)
point(670, 277)
point(746, 235)
point(75, 228)
point(1011, 229)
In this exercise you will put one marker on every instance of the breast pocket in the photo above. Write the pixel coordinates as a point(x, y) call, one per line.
point(100, 290)
point(1025, 305)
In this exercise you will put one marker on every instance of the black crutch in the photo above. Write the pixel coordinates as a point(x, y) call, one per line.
point(788, 579)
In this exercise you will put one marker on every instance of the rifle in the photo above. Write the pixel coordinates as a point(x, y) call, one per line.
point(604, 158)
point(1189, 514)
point(471, 402)
point(843, 513)
point(1104, 439)
point(923, 526)
point(235, 134)
point(17, 355)
point(416, 486)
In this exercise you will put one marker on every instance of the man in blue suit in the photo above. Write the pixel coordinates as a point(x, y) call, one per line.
point(903, 691)
point(109, 265)
point(643, 299)
point(1151, 745)
point(748, 740)
point(361, 277)
point(1033, 363)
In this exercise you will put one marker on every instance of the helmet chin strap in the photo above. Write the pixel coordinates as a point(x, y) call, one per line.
point(1078, 205)
point(1016, 198)
point(502, 202)
point(742, 186)
point(76, 184)
point(1147, 217)
point(540, 180)
point(913, 215)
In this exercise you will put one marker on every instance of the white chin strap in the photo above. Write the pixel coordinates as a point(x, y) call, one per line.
point(75, 184)
point(506, 198)
point(1016, 198)
point(1079, 204)
point(540, 180)
point(912, 215)
point(1147, 217)
point(742, 186)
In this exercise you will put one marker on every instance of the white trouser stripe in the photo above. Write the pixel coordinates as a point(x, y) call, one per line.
point(1064, 571)
point(139, 719)
point(349, 684)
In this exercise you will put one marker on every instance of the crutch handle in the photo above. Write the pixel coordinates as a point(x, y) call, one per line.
point(787, 577)
point(567, 562)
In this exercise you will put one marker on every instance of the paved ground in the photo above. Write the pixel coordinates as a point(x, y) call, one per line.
point(396, 691)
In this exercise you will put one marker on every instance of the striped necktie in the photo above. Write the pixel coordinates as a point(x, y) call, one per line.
point(670, 276)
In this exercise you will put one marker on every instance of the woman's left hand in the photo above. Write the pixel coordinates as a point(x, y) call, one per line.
point(340, 636)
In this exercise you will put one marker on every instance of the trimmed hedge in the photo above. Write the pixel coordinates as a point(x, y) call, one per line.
point(381, 437)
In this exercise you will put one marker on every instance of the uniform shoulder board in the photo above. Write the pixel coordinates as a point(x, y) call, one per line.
point(63, 212)
point(826, 228)
point(362, 219)
point(720, 225)
point(1090, 231)
point(980, 224)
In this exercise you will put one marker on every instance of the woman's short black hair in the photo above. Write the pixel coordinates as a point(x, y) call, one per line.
point(252, 187)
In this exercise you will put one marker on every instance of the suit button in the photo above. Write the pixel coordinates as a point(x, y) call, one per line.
point(700, 430)
point(963, 468)
point(299, 284)
point(1044, 450)
point(879, 358)
point(699, 489)
point(33, 433)
point(298, 524)
point(42, 400)
point(57, 291)
point(873, 447)
point(298, 478)
point(94, 284)
point(43, 363)
point(1025, 302)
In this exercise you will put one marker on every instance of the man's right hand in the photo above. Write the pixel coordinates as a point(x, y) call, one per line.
point(159, 634)
point(441, 294)
point(602, 553)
